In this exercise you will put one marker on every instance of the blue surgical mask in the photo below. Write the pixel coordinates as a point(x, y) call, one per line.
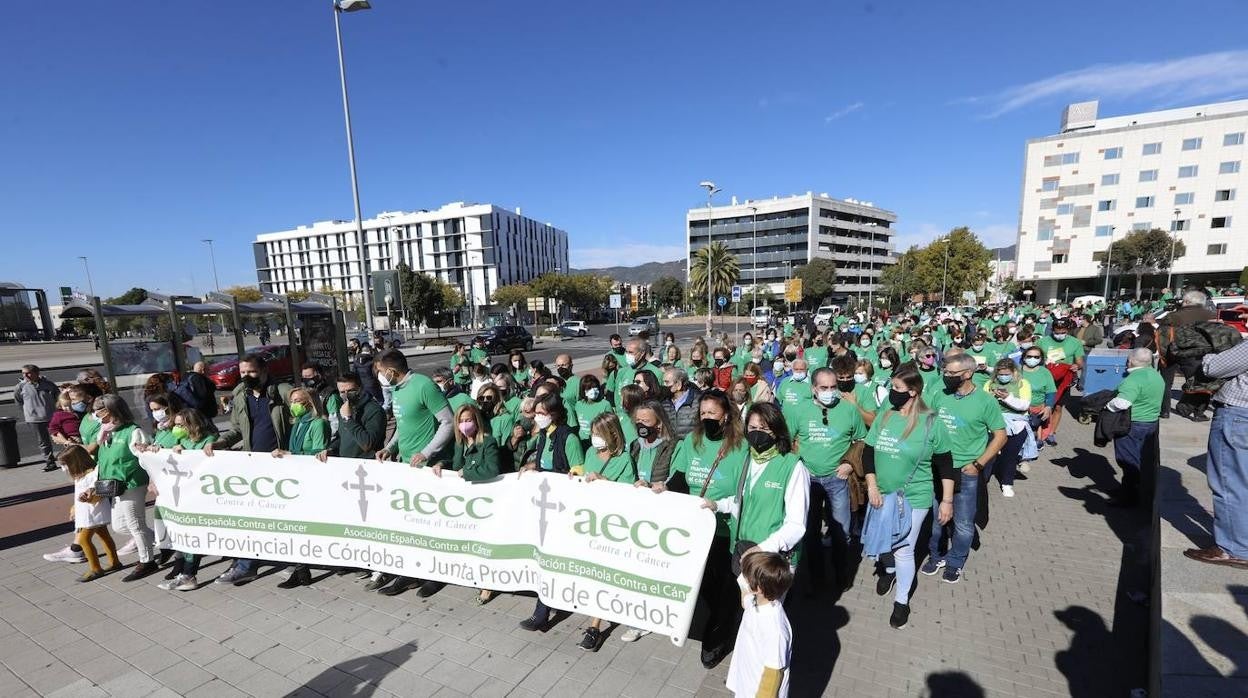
point(1005, 378)
point(79, 407)
point(827, 397)
point(799, 376)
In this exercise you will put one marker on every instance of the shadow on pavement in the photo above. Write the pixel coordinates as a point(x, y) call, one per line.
point(953, 684)
point(1188, 516)
point(816, 643)
point(362, 674)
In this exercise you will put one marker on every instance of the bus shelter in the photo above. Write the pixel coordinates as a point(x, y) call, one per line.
point(316, 329)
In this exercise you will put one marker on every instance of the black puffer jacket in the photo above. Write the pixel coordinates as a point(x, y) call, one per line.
point(684, 418)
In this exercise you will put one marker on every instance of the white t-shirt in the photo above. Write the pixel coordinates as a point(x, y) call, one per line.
point(764, 640)
point(86, 514)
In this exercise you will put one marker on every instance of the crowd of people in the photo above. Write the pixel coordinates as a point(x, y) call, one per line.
point(813, 446)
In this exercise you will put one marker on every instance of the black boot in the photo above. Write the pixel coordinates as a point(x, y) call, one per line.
point(400, 585)
point(300, 577)
point(140, 571)
point(429, 589)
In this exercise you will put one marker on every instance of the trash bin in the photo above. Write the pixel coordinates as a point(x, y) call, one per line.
point(9, 455)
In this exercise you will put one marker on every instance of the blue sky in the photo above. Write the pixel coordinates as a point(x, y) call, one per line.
point(134, 130)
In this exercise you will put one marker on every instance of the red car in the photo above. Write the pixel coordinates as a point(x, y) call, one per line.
point(1235, 318)
point(224, 374)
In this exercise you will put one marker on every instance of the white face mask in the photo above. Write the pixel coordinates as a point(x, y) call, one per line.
point(158, 416)
point(1059, 336)
point(777, 367)
point(799, 376)
point(629, 359)
point(515, 365)
point(591, 394)
point(885, 363)
point(860, 378)
point(598, 442)
point(383, 378)
point(542, 420)
point(827, 397)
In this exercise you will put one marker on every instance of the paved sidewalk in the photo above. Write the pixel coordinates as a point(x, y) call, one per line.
point(1043, 611)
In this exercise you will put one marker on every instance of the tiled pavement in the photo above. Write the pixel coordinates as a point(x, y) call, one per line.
point(1042, 611)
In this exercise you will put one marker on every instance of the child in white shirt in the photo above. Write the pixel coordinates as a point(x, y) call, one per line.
point(91, 513)
point(760, 658)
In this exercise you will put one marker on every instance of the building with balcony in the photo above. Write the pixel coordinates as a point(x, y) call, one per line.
point(772, 238)
point(1099, 179)
point(474, 247)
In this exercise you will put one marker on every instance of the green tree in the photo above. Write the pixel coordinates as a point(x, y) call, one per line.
point(818, 281)
point(134, 296)
point(667, 292)
point(898, 280)
point(725, 270)
point(956, 262)
point(1243, 277)
point(297, 295)
point(587, 292)
point(513, 296)
point(1144, 252)
point(243, 294)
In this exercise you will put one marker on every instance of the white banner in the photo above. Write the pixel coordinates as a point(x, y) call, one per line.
point(599, 548)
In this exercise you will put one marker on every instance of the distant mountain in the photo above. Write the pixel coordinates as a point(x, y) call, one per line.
point(642, 274)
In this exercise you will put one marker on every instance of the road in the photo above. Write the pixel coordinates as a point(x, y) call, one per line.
point(586, 356)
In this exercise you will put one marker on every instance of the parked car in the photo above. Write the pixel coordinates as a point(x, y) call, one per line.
point(646, 323)
point(224, 374)
point(501, 339)
point(824, 314)
point(760, 317)
point(573, 328)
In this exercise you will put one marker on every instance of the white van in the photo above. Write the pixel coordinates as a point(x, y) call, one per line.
point(824, 314)
point(761, 317)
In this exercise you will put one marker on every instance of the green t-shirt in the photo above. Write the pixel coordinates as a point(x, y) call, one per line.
point(1041, 382)
point(999, 350)
point(897, 454)
point(1063, 352)
point(933, 385)
point(478, 356)
point(89, 428)
point(572, 389)
point(571, 448)
point(791, 392)
point(458, 400)
point(1144, 388)
point(617, 468)
point(309, 436)
point(645, 461)
point(191, 445)
point(162, 437)
point(696, 465)
point(824, 434)
point(585, 413)
point(968, 420)
point(816, 357)
point(627, 426)
point(416, 403)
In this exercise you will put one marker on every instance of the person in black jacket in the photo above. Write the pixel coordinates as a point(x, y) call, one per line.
point(197, 392)
point(363, 364)
point(361, 422)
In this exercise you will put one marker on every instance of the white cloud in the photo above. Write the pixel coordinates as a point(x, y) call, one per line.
point(624, 255)
point(1172, 81)
point(842, 112)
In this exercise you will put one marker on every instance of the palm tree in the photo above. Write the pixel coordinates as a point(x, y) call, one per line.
point(725, 270)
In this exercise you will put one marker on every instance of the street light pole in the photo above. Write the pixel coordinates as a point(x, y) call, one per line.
point(754, 262)
point(213, 256)
point(1109, 258)
point(944, 282)
point(1174, 242)
point(341, 6)
point(711, 190)
point(90, 285)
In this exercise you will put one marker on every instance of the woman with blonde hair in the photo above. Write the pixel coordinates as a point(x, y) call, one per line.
point(309, 436)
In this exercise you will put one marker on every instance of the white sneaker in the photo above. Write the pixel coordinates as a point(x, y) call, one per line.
point(65, 554)
point(1007, 490)
point(168, 584)
point(129, 548)
point(633, 634)
point(186, 583)
point(1024, 467)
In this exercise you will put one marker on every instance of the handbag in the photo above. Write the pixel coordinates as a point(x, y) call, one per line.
point(108, 489)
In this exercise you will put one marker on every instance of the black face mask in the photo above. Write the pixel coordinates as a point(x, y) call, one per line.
point(487, 404)
point(845, 386)
point(719, 363)
point(618, 351)
point(760, 440)
point(351, 396)
point(712, 429)
point(644, 431)
point(952, 383)
point(252, 382)
point(312, 383)
point(898, 398)
point(564, 372)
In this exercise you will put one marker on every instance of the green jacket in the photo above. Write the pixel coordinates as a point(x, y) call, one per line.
point(309, 435)
point(239, 432)
point(362, 434)
point(476, 461)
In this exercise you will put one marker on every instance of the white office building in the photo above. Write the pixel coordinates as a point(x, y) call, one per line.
point(474, 247)
point(1099, 179)
point(772, 238)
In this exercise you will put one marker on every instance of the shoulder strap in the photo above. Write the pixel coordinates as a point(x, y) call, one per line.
point(723, 451)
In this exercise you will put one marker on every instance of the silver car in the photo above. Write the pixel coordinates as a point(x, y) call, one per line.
point(647, 324)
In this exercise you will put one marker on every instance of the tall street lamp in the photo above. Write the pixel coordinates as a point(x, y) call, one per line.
point(1174, 242)
point(213, 255)
point(754, 262)
point(711, 190)
point(944, 282)
point(1109, 258)
point(341, 6)
point(90, 286)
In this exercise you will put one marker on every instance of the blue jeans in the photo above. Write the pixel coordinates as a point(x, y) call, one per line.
point(1227, 469)
point(965, 502)
point(835, 492)
point(1129, 452)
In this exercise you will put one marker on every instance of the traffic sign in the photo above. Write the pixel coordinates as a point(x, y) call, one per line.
point(635, 302)
point(615, 301)
point(793, 290)
point(736, 294)
point(722, 301)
